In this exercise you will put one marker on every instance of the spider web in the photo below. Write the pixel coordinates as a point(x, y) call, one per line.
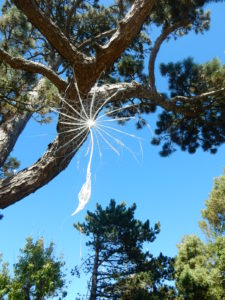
point(85, 122)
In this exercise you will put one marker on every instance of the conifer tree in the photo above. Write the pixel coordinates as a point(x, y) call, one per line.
point(116, 257)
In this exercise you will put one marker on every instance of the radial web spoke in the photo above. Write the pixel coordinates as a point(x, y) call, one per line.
point(71, 140)
point(107, 142)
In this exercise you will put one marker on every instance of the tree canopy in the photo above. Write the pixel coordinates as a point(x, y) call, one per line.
point(52, 51)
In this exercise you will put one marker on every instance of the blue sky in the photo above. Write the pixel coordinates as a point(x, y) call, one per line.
point(170, 190)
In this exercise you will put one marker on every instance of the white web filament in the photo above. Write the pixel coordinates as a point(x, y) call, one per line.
point(85, 192)
point(86, 122)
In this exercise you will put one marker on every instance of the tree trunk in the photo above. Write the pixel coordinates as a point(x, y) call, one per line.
point(94, 280)
point(27, 292)
point(9, 133)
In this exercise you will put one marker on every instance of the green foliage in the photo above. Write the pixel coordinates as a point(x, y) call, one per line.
point(116, 239)
point(205, 126)
point(15, 30)
point(192, 273)
point(4, 279)
point(140, 286)
point(129, 67)
point(170, 12)
point(200, 267)
point(216, 252)
point(37, 274)
point(14, 87)
point(19, 37)
point(9, 168)
point(213, 223)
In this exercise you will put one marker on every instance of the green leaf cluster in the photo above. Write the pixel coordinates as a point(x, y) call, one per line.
point(37, 274)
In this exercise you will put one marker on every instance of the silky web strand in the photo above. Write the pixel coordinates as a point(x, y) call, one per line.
point(85, 192)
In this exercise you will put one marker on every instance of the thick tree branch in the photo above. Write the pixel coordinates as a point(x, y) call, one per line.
point(52, 32)
point(164, 35)
point(127, 29)
point(33, 67)
point(9, 133)
point(27, 181)
point(122, 91)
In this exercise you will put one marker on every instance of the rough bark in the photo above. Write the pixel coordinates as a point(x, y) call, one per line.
point(53, 161)
point(128, 28)
point(40, 173)
point(9, 133)
point(88, 69)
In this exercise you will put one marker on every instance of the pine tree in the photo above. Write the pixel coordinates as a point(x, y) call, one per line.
point(117, 258)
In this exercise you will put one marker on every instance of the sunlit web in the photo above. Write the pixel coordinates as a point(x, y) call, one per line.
point(99, 127)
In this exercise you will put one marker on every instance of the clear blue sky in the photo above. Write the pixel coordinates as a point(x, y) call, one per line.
point(170, 190)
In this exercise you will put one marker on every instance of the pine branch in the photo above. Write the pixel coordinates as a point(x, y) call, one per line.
point(163, 36)
point(198, 97)
point(33, 67)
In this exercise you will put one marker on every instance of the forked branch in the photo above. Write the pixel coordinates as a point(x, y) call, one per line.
point(127, 29)
point(52, 32)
